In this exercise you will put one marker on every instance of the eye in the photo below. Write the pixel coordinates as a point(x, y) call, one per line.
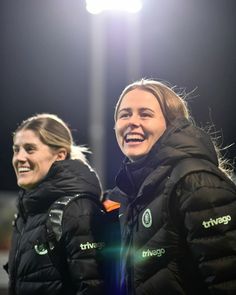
point(15, 149)
point(29, 149)
point(123, 115)
point(146, 115)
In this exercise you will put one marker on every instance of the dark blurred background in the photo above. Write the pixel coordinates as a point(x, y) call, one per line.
point(56, 57)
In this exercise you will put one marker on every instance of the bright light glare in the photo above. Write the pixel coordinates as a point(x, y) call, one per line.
point(97, 6)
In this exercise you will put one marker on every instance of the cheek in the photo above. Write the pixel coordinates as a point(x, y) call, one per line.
point(119, 137)
point(48, 164)
point(117, 130)
point(44, 166)
point(163, 129)
point(120, 127)
point(40, 173)
point(160, 132)
point(13, 162)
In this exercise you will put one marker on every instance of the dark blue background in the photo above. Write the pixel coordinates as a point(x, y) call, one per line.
point(45, 57)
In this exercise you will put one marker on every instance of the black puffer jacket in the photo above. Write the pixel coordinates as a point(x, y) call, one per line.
point(83, 222)
point(192, 249)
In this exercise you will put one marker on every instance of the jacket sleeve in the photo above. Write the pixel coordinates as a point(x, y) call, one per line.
point(208, 206)
point(83, 224)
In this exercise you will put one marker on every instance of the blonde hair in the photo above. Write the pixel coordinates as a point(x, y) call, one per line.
point(173, 106)
point(55, 133)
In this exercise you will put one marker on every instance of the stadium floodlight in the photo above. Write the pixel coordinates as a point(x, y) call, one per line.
point(98, 6)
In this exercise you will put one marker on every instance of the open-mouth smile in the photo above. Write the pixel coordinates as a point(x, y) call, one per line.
point(134, 137)
point(23, 169)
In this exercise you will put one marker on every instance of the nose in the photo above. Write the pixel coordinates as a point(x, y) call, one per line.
point(20, 155)
point(134, 121)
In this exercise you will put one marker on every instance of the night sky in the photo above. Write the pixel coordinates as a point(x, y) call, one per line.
point(46, 65)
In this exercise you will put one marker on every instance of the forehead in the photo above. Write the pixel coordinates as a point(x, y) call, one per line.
point(26, 136)
point(140, 99)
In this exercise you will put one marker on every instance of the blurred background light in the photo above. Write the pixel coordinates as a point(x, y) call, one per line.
point(56, 57)
point(98, 6)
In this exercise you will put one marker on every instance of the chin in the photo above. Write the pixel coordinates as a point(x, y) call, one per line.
point(24, 186)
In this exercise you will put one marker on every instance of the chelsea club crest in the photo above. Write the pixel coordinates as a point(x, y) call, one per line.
point(147, 218)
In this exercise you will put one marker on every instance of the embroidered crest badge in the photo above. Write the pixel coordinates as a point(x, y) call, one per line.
point(147, 218)
point(40, 249)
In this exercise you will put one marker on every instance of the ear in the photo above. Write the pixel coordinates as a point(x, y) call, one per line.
point(61, 154)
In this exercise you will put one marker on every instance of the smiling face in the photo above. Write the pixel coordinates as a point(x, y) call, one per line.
point(140, 123)
point(32, 158)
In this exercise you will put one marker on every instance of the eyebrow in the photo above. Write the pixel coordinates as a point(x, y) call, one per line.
point(25, 144)
point(147, 109)
point(142, 109)
point(124, 109)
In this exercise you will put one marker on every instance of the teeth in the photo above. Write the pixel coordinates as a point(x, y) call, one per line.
point(134, 138)
point(23, 169)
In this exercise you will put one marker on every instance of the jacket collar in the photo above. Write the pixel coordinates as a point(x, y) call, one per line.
point(67, 177)
point(180, 140)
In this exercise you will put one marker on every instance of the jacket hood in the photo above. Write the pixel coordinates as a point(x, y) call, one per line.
point(180, 140)
point(66, 177)
point(184, 140)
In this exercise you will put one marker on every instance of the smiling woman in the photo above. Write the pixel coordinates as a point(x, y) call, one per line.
point(50, 167)
point(32, 158)
point(140, 123)
point(179, 241)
